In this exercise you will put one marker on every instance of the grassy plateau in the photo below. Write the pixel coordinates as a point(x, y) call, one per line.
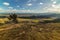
point(29, 29)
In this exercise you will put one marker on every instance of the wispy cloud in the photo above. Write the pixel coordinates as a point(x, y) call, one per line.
point(53, 8)
point(10, 7)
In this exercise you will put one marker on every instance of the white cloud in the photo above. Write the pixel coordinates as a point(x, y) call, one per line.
point(10, 7)
point(54, 2)
point(41, 3)
point(30, 4)
point(56, 6)
point(53, 5)
point(18, 11)
point(6, 3)
point(53, 8)
point(31, 11)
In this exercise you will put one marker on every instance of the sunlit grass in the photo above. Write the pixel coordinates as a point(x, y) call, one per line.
point(30, 29)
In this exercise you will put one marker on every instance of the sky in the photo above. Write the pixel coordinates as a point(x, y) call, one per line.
point(29, 6)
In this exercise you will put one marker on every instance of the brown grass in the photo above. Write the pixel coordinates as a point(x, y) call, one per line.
point(29, 29)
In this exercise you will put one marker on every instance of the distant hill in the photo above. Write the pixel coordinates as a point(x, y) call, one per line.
point(33, 15)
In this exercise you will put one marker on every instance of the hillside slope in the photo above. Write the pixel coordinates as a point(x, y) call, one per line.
point(30, 31)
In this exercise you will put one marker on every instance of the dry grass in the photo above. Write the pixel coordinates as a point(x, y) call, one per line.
point(29, 29)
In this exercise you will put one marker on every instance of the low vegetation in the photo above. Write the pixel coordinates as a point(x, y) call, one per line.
point(29, 29)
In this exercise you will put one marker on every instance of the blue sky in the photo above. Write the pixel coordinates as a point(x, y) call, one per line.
point(30, 6)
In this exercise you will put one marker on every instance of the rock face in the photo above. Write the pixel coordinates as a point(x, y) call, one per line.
point(27, 31)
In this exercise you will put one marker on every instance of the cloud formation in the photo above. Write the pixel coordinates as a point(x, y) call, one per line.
point(34, 6)
point(6, 3)
point(29, 4)
point(10, 7)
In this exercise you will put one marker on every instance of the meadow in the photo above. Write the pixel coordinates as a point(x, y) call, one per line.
point(29, 29)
